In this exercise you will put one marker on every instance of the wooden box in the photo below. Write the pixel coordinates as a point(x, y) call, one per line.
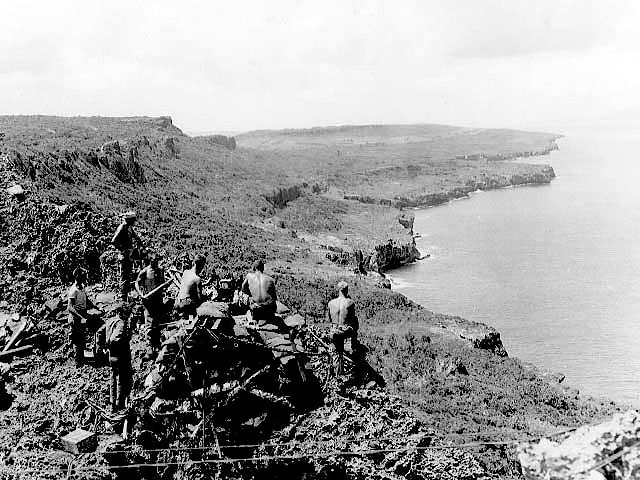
point(80, 441)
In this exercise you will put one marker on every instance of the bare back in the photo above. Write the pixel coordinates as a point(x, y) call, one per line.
point(342, 311)
point(261, 288)
point(190, 286)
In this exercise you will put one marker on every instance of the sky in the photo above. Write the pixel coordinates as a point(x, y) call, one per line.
point(243, 65)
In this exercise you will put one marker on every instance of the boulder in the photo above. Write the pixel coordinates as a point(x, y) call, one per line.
point(282, 309)
point(451, 366)
point(16, 191)
point(477, 334)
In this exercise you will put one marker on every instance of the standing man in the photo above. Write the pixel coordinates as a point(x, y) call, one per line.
point(190, 295)
point(77, 306)
point(124, 240)
point(341, 312)
point(261, 289)
point(118, 335)
point(150, 278)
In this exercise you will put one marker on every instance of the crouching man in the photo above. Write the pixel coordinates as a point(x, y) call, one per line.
point(341, 313)
point(118, 336)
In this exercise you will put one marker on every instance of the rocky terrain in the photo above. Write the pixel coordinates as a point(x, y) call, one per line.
point(609, 450)
point(281, 196)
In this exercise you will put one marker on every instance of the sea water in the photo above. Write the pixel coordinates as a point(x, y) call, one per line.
point(555, 268)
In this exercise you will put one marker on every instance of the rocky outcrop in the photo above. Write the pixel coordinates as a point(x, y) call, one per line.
point(406, 220)
point(478, 334)
point(227, 142)
point(382, 258)
point(126, 159)
point(280, 197)
point(392, 255)
point(580, 455)
point(123, 160)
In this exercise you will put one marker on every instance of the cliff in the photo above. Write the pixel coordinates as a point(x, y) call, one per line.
point(544, 175)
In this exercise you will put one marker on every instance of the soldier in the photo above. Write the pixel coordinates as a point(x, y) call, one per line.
point(124, 240)
point(77, 305)
point(150, 278)
point(190, 295)
point(261, 289)
point(118, 336)
point(341, 312)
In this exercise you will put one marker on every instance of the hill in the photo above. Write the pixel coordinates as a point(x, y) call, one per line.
point(315, 203)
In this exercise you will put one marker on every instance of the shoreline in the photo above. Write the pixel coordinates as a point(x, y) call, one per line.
point(547, 177)
point(449, 374)
point(388, 273)
point(544, 176)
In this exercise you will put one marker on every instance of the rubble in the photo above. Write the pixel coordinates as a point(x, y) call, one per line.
point(584, 454)
point(365, 420)
point(17, 336)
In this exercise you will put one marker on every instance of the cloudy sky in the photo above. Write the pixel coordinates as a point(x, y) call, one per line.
point(231, 66)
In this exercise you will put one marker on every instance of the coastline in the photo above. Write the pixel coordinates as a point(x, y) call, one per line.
point(482, 335)
point(409, 253)
point(544, 176)
point(450, 375)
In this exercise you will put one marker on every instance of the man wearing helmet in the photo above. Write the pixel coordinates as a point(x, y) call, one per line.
point(124, 240)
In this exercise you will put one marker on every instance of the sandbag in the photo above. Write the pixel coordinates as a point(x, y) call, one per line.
point(213, 310)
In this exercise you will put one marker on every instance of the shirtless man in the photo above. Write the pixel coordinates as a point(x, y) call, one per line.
point(261, 289)
point(190, 295)
point(341, 312)
point(150, 278)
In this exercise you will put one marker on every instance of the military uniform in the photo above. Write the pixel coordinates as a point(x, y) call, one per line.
point(78, 299)
point(123, 240)
point(118, 336)
point(154, 310)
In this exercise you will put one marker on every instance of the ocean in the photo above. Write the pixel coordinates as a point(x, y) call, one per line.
point(554, 268)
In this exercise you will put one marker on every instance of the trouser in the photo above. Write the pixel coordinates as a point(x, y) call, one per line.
point(186, 307)
point(126, 265)
point(121, 379)
point(153, 314)
point(338, 336)
point(266, 313)
point(77, 339)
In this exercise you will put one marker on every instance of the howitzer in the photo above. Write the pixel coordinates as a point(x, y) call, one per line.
point(150, 294)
